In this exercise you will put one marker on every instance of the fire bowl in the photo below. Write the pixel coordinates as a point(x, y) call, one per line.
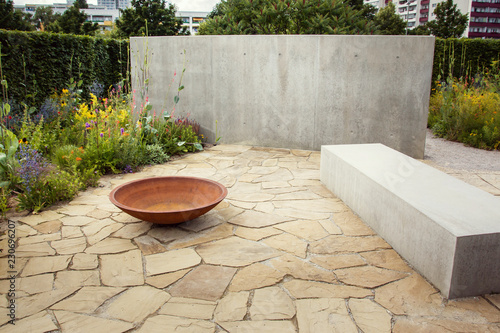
point(168, 200)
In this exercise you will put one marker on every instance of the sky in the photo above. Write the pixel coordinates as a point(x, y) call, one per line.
point(182, 5)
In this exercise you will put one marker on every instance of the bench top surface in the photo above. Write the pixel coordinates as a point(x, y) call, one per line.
point(459, 207)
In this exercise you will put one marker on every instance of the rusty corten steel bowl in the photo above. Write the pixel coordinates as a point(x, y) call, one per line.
point(168, 200)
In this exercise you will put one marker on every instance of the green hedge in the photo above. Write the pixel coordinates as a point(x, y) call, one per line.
point(464, 57)
point(37, 63)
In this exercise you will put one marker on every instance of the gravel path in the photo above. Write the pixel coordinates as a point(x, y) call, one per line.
point(456, 155)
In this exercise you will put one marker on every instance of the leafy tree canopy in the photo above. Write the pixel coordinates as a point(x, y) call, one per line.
point(449, 22)
point(151, 17)
point(11, 19)
point(287, 17)
point(74, 21)
point(388, 22)
point(44, 17)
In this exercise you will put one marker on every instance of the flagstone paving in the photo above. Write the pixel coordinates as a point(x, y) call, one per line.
point(280, 254)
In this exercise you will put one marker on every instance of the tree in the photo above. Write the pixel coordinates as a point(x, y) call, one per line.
point(286, 17)
point(44, 17)
point(11, 19)
point(449, 22)
point(152, 17)
point(74, 21)
point(388, 22)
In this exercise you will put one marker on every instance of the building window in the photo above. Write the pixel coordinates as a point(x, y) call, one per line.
point(198, 20)
point(185, 19)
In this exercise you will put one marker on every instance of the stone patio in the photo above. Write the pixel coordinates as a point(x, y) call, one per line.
point(279, 254)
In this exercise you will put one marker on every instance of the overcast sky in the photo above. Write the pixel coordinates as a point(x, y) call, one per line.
point(182, 5)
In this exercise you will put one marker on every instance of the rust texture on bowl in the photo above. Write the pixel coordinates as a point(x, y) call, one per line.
point(168, 200)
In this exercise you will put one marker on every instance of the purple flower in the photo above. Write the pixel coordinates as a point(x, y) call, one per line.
point(122, 130)
point(87, 125)
point(101, 135)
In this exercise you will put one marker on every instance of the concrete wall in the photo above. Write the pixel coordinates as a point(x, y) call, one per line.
point(296, 91)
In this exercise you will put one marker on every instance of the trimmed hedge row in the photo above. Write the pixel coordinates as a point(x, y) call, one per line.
point(37, 63)
point(464, 57)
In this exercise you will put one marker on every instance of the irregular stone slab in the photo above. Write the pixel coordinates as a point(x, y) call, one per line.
point(330, 227)
point(263, 326)
point(322, 191)
point(221, 231)
point(149, 245)
point(313, 289)
point(424, 325)
point(111, 245)
point(71, 232)
point(82, 261)
point(288, 243)
point(494, 298)
point(76, 278)
point(89, 199)
point(97, 231)
point(280, 175)
point(164, 323)
point(411, 296)
point(99, 214)
point(323, 205)
point(163, 280)
point(69, 246)
point(236, 252)
point(87, 299)
point(34, 250)
point(242, 204)
point(32, 284)
point(301, 195)
point(232, 307)
point(135, 304)
point(6, 266)
point(351, 224)
point(44, 216)
point(76, 210)
point(125, 218)
point(189, 308)
point(263, 170)
point(275, 184)
point(171, 261)
point(46, 227)
point(78, 323)
point(306, 174)
point(204, 282)
point(341, 244)
point(255, 276)
point(250, 197)
point(472, 309)
point(40, 322)
point(38, 238)
point(167, 234)
point(303, 214)
point(324, 315)
point(290, 265)
point(271, 303)
point(124, 269)
point(27, 306)
point(368, 276)
point(77, 220)
point(369, 316)
point(229, 212)
point(386, 259)
point(256, 234)
point(133, 230)
point(203, 222)
point(253, 219)
point(42, 265)
point(305, 229)
point(339, 261)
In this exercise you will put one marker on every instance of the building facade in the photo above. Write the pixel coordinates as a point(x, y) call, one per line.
point(484, 15)
point(192, 20)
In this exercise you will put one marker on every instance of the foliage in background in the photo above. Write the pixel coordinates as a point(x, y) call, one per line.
point(14, 19)
point(150, 17)
point(286, 17)
point(388, 22)
point(37, 63)
point(449, 22)
point(468, 110)
point(463, 57)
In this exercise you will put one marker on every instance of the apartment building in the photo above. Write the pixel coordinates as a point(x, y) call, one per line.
point(192, 20)
point(484, 15)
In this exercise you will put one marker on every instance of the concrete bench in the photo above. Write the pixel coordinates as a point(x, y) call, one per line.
point(448, 230)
